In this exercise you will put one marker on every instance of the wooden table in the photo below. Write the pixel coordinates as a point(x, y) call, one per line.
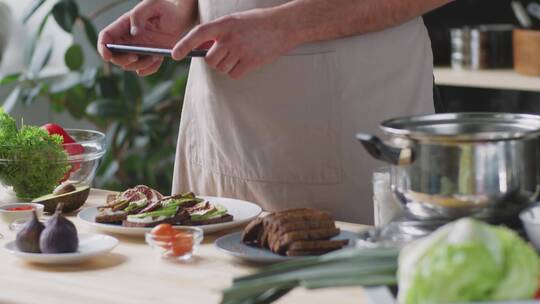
point(131, 273)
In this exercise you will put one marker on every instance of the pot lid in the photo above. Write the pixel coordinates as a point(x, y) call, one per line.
point(464, 126)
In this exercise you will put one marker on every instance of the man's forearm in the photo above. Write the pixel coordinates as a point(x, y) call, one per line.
point(315, 20)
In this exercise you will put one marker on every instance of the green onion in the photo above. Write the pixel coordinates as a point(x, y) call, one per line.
point(353, 267)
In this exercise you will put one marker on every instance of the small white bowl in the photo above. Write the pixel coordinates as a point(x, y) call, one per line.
point(531, 222)
point(9, 216)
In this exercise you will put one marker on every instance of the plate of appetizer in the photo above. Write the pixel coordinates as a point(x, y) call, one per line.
point(137, 210)
point(286, 235)
point(57, 242)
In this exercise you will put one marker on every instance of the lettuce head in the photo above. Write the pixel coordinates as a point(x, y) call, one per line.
point(468, 260)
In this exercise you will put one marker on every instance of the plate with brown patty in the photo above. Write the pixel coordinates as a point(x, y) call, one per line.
point(241, 211)
point(232, 244)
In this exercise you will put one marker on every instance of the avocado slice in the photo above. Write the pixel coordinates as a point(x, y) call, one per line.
point(71, 200)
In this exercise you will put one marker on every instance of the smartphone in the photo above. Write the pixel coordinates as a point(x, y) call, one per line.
point(142, 50)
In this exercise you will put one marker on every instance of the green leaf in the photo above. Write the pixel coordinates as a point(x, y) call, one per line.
point(106, 108)
point(12, 99)
point(132, 87)
point(179, 87)
point(158, 93)
point(108, 87)
point(65, 12)
point(88, 78)
point(11, 78)
point(42, 25)
point(90, 30)
point(41, 56)
point(30, 95)
point(31, 9)
point(74, 57)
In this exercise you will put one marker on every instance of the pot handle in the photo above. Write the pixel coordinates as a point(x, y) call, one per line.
point(381, 151)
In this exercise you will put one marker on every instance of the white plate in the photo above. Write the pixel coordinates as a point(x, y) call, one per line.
point(243, 212)
point(90, 245)
point(232, 245)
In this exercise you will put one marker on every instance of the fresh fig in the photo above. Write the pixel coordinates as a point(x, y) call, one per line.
point(59, 235)
point(27, 239)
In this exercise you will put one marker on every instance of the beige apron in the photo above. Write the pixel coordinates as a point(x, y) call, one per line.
point(283, 136)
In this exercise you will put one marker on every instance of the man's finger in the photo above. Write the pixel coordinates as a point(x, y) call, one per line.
point(239, 70)
point(141, 64)
point(228, 63)
point(196, 37)
point(151, 69)
point(124, 59)
point(215, 55)
point(112, 33)
point(104, 38)
point(138, 16)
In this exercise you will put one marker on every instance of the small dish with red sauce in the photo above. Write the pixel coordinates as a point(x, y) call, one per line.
point(12, 212)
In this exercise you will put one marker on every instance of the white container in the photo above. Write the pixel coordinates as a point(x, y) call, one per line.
point(9, 216)
point(386, 207)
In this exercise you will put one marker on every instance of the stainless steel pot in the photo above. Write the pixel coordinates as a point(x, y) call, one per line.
point(452, 165)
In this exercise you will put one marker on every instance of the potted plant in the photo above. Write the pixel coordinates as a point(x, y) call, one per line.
point(139, 116)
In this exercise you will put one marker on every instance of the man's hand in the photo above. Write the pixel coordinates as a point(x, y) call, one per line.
point(153, 23)
point(243, 41)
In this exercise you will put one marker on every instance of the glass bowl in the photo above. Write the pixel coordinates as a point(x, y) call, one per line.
point(29, 173)
point(180, 247)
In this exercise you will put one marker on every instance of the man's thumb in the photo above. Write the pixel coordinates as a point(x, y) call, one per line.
point(136, 19)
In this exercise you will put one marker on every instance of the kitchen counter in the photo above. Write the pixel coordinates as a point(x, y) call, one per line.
point(132, 273)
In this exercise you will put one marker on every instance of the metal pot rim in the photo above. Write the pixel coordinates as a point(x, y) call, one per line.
point(498, 126)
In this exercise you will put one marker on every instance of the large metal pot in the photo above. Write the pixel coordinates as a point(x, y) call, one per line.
point(452, 165)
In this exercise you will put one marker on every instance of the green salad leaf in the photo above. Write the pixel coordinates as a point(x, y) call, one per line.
point(31, 161)
point(468, 261)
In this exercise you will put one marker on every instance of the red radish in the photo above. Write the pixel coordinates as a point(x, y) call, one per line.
point(70, 145)
point(56, 129)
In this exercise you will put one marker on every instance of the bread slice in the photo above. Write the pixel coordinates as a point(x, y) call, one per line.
point(273, 222)
point(281, 244)
point(115, 219)
point(252, 231)
point(277, 230)
point(296, 221)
